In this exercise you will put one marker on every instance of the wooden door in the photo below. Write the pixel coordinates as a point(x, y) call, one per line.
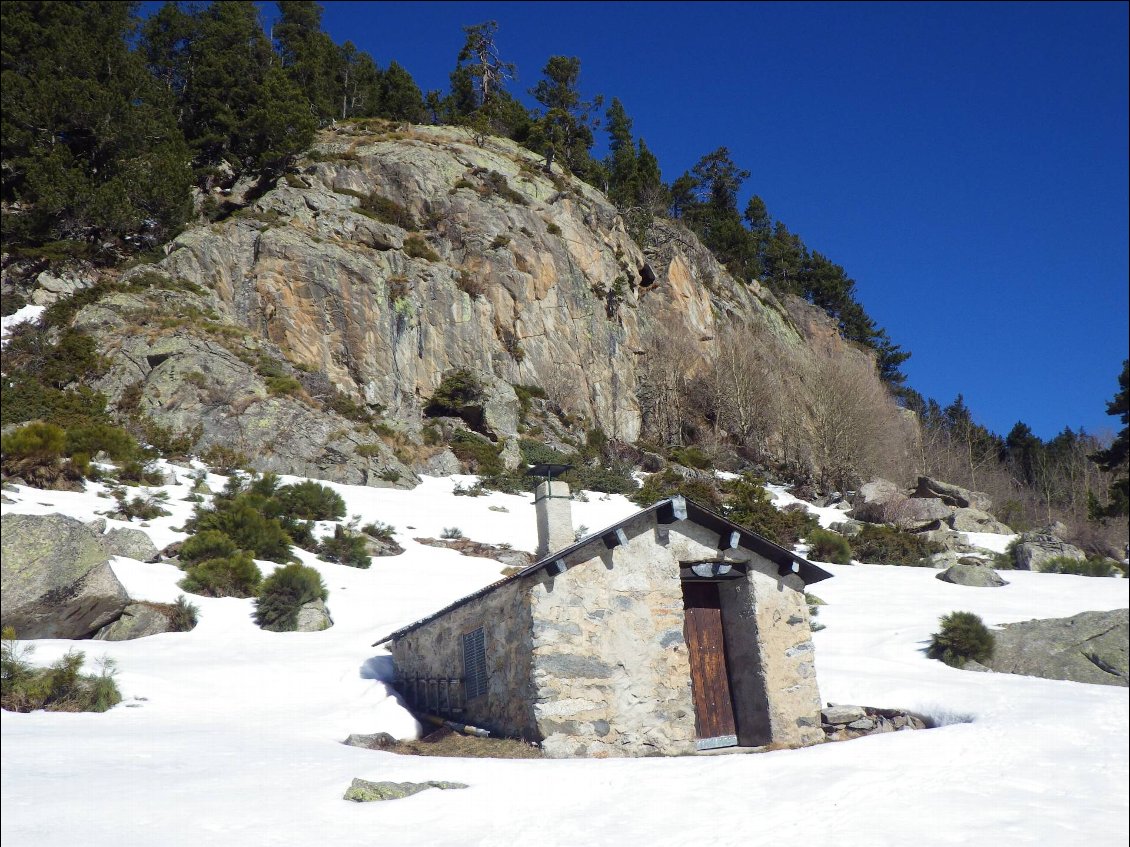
point(710, 683)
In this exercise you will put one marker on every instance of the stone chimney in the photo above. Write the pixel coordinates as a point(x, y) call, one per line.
point(555, 517)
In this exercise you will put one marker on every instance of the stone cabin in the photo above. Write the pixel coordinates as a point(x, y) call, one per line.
point(672, 631)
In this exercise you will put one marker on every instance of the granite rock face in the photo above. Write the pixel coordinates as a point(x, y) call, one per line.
point(57, 581)
point(1034, 548)
point(1088, 647)
point(274, 332)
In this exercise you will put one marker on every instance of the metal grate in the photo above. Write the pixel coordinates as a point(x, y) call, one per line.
point(474, 663)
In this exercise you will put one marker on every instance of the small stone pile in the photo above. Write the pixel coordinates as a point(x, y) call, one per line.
point(841, 723)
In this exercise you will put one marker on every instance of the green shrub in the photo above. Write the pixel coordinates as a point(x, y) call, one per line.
point(387, 211)
point(1080, 567)
point(95, 438)
point(749, 504)
point(346, 548)
point(310, 501)
point(378, 530)
point(667, 483)
point(236, 575)
point(451, 533)
point(495, 183)
point(479, 454)
point(417, 248)
point(552, 228)
point(500, 240)
point(614, 479)
point(284, 594)
point(61, 687)
point(207, 544)
point(1006, 561)
point(139, 472)
point(223, 459)
point(537, 453)
point(885, 545)
point(963, 637)
point(37, 442)
point(460, 395)
point(283, 385)
point(243, 521)
point(827, 546)
point(691, 457)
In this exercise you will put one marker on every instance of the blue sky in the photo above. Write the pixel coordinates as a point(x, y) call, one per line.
point(966, 163)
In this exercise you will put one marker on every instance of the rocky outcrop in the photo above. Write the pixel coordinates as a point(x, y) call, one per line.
point(842, 723)
point(972, 572)
point(1034, 548)
point(506, 555)
point(347, 291)
point(57, 581)
point(953, 495)
point(138, 620)
point(1088, 647)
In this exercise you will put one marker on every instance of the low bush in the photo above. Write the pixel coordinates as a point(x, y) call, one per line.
point(142, 507)
point(417, 248)
point(204, 545)
point(460, 395)
point(242, 520)
point(60, 687)
point(387, 211)
point(667, 483)
point(614, 479)
point(310, 501)
point(236, 575)
point(284, 594)
point(345, 547)
point(1080, 567)
point(885, 545)
point(749, 504)
point(379, 531)
point(451, 533)
point(185, 615)
point(691, 457)
point(963, 638)
point(480, 455)
point(827, 546)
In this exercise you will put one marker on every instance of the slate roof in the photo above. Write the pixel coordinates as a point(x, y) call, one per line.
point(674, 507)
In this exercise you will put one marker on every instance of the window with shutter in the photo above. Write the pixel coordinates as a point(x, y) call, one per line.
point(474, 663)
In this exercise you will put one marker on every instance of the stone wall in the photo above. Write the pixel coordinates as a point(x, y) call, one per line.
point(436, 650)
point(610, 664)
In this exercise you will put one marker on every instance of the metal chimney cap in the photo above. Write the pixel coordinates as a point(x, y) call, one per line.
point(547, 471)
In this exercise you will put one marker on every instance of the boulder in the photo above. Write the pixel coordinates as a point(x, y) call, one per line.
point(1088, 647)
point(376, 741)
point(918, 513)
point(137, 621)
point(847, 528)
point(972, 573)
point(834, 714)
point(131, 543)
point(966, 519)
point(57, 581)
point(313, 617)
point(49, 287)
point(1034, 548)
point(952, 495)
point(871, 500)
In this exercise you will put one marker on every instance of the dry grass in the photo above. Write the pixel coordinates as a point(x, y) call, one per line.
point(447, 742)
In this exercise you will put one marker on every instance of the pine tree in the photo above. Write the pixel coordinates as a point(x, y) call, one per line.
point(622, 165)
point(565, 129)
point(1116, 458)
point(90, 145)
point(309, 56)
point(401, 99)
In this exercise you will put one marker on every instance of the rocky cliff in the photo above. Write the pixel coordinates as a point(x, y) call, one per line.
point(388, 258)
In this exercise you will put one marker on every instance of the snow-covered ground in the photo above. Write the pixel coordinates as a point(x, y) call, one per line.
point(231, 736)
